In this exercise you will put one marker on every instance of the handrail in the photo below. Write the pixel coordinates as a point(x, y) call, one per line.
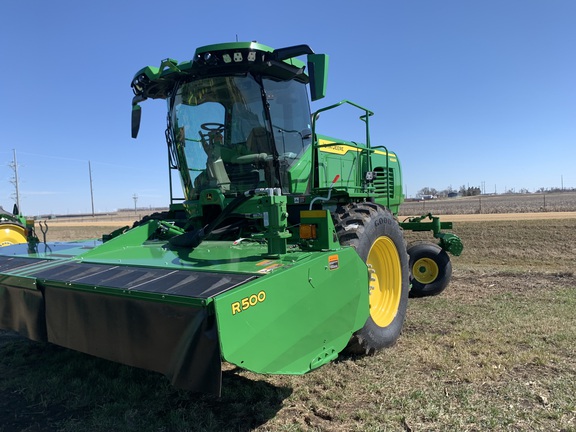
point(316, 145)
point(364, 117)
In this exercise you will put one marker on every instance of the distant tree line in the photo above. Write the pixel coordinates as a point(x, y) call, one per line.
point(555, 189)
point(448, 192)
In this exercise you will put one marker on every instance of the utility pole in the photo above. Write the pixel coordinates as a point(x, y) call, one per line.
point(91, 190)
point(135, 198)
point(15, 181)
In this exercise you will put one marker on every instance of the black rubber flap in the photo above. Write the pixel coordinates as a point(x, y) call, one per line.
point(22, 310)
point(178, 341)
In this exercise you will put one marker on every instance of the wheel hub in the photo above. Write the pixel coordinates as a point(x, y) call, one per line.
point(425, 270)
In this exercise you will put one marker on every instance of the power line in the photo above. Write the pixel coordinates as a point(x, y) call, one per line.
point(15, 181)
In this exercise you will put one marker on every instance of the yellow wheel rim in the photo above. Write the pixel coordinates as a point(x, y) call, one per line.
point(385, 281)
point(425, 270)
point(12, 234)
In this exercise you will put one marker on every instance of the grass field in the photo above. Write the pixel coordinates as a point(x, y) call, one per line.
point(495, 351)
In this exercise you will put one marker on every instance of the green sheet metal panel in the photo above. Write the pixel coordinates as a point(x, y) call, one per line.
point(295, 318)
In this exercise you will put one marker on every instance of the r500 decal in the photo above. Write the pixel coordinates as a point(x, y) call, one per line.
point(248, 302)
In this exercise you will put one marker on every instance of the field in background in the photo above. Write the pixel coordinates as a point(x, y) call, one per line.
point(496, 351)
point(490, 204)
point(479, 205)
point(488, 208)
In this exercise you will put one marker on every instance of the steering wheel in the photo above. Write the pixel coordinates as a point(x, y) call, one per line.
point(212, 127)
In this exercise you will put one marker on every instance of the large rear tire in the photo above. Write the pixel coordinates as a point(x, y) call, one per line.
point(430, 269)
point(376, 236)
point(12, 233)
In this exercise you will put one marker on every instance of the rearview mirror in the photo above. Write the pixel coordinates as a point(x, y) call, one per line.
point(318, 73)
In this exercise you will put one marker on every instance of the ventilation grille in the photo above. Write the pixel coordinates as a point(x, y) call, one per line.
point(384, 181)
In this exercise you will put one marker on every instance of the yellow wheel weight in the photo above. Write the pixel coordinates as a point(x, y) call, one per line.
point(385, 281)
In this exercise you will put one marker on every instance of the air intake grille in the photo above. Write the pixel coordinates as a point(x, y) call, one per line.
point(384, 181)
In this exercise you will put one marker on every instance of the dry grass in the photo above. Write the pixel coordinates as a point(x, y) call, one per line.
point(495, 351)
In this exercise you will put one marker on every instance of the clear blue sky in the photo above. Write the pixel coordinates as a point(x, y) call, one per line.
point(467, 92)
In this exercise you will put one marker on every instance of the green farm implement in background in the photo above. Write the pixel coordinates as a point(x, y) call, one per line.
point(15, 228)
point(283, 249)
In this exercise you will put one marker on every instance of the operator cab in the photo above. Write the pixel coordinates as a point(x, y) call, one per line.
point(236, 133)
point(238, 121)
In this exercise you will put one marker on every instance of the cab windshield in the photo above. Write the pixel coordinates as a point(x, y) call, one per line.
point(234, 134)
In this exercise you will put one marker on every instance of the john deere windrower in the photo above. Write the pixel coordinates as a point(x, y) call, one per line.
point(282, 250)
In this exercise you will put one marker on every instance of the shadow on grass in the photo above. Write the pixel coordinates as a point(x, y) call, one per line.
point(47, 388)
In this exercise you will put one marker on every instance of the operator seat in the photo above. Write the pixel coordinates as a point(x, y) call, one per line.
point(252, 172)
point(258, 141)
point(215, 169)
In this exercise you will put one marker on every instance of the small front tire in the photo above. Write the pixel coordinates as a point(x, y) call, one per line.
point(430, 269)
